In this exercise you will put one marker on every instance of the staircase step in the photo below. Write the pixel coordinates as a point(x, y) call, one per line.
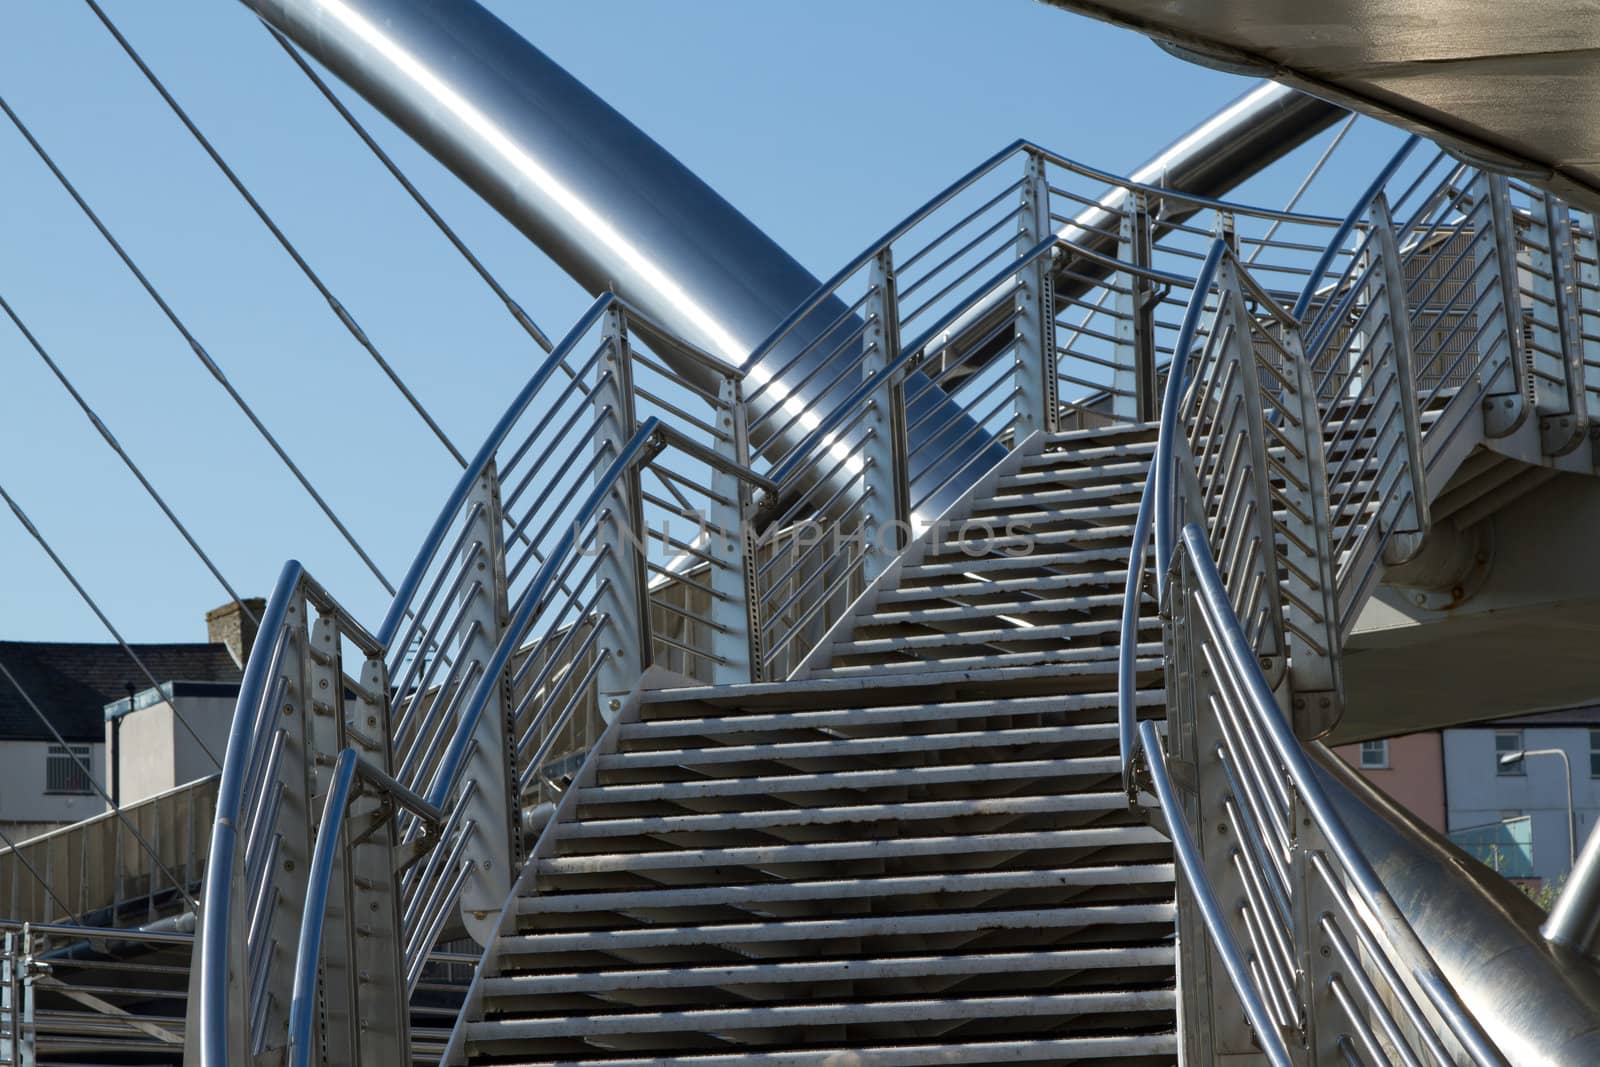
point(853, 780)
point(1134, 469)
point(1063, 633)
point(908, 812)
point(736, 721)
point(844, 1012)
point(840, 889)
point(1090, 660)
point(746, 933)
point(1033, 561)
point(1052, 1050)
point(1066, 495)
point(992, 610)
point(855, 746)
point(854, 849)
point(832, 970)
point(976, 587)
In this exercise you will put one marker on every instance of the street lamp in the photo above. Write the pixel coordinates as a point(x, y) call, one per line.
point(1572, 820)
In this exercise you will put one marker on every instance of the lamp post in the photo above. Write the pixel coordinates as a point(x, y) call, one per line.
point(1572, 820)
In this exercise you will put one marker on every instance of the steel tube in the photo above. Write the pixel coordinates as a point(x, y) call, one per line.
point(302, 1005)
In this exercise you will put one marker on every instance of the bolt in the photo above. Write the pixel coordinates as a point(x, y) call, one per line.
point(615, 704)
point(288, 865)
point(1324, 951)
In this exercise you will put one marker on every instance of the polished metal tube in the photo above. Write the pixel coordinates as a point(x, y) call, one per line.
point(1575, 920)
point(617, 211)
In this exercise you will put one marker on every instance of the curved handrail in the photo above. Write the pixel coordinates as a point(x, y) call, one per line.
point(1155, 509)
point(302, 1003)
point(1158, 510)
point(490, 679)
point(1165, 499)
point(945, 195)
point(894, 233)
point(1192, 865)
point(1343, 232)
point(225, 828)
point(1357, 871)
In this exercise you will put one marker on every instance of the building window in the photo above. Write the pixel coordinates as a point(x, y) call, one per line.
point(66, 770)
point(1506, 742)
point(1375, 755)
point(1594, 753)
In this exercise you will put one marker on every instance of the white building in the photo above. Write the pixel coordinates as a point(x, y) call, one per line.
point(101, 703)
point(1481, 789)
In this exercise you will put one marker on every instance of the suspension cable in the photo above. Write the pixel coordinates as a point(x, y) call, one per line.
point(339, 309)
point(194, 343)
point(528, 325)
point(88, 776)
point(27, 524)
point(110, 439)
point(43, 884)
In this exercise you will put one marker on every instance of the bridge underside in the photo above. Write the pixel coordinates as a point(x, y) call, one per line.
point(1523, 640)
point(1477, 76)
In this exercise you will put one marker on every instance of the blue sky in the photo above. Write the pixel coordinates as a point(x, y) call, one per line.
point(823, 122)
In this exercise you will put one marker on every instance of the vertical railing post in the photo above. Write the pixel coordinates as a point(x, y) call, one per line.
point(1135, 396)
point(1316, 957)
point(886, 508)
point(1506, 373)
point(494, 806)
point(623, 605)
point(1035, 365)
point(1557, 351)
point(736, 629)
point(363, 954)
point(1311, 596)
point(1397, 377)
point(1255, 506)
point(338, 1038)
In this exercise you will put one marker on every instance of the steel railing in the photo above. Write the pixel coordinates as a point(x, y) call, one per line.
point(1035, 293)
point(1289, 904)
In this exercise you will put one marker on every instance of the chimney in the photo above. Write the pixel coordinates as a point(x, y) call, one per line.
point(229, 625)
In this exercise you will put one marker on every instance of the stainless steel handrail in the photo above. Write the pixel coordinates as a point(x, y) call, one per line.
point(1193, 868)
point(214, 950)
point(1158, 508)
point(1390, 920)
point(308, 952)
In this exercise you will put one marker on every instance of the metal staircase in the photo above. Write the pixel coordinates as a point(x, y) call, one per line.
point(934, 863)
point(827, 774)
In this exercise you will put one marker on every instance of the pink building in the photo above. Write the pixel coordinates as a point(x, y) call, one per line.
point(1410, 769)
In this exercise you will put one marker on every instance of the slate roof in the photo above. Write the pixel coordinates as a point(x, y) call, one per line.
point(72, 683)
